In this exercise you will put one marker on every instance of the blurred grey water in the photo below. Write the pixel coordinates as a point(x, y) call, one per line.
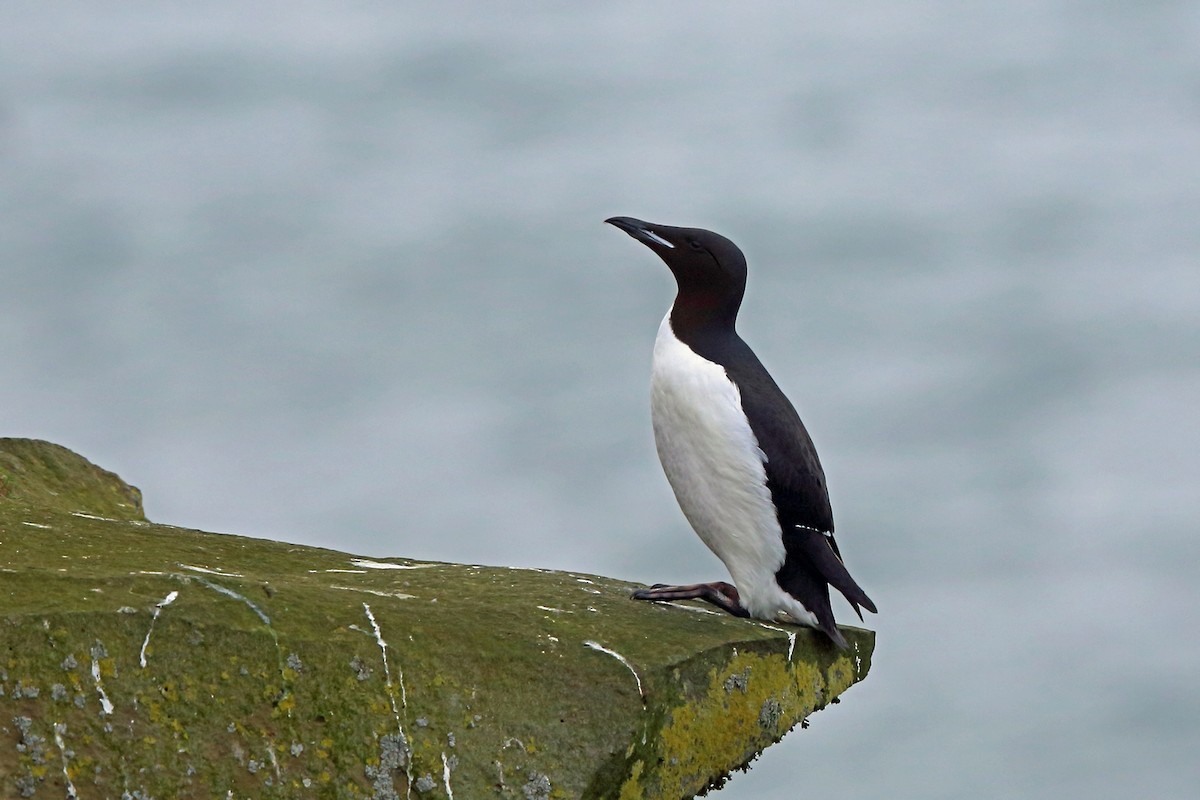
point(337, 275)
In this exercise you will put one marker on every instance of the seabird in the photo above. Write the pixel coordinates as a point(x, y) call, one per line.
point(734, 450)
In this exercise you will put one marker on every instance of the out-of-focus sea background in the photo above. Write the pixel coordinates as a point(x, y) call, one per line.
point(335, 273)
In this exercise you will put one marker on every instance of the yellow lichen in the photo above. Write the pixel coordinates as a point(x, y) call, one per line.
point(753, 699)
point(632, 788)
point(155, 712)
point(286, 705)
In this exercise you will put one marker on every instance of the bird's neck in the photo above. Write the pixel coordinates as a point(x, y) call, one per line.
point(700, 318)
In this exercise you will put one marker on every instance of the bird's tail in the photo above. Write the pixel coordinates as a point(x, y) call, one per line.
point(811, 567)
point(833, 569)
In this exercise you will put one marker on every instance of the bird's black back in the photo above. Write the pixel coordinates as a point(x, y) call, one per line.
point(794, 474)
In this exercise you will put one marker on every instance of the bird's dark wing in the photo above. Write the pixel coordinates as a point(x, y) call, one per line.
point(797, 484)
point(794, 472)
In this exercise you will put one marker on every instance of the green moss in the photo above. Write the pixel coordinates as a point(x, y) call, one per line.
point(265, 675)
point(49, 476)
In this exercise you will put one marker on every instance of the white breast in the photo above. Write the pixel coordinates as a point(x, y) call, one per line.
point(714, 464)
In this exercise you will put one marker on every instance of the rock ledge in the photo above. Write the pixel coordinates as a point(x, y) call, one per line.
point(148, 661)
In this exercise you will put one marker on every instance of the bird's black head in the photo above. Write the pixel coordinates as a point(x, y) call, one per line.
point(709, 270)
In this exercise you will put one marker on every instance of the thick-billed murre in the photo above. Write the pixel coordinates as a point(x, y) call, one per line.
point(734, 450)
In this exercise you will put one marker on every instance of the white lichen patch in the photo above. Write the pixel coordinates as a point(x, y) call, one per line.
point(601, 648)
point(367, 563)
point(158, 607)
point(376, 592)
point(791, 635)
point(446, 774)
point(230, 593)
point(59, 729)
point(93, 516)
point(387, 678)
point(210, 571)
point(274, 761)
point(693, 609)
point(106, 705)
point(387, 670)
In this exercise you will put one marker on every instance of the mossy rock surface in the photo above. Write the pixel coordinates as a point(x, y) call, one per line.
point(147, 661)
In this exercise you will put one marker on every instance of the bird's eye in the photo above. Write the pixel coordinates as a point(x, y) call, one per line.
point(695, 245)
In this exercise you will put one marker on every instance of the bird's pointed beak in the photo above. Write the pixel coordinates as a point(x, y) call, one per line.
point(642, 231)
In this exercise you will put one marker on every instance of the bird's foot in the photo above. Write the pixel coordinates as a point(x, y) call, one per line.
point(721, 594)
